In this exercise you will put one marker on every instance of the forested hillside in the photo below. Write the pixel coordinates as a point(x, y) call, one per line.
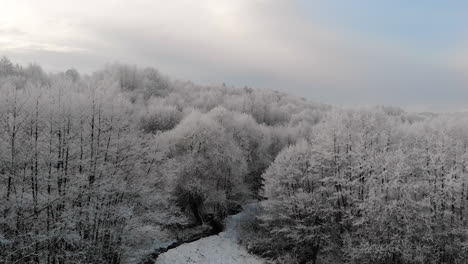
point(104, 168)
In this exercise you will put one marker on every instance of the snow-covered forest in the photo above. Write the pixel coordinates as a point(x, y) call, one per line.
point(110, 166)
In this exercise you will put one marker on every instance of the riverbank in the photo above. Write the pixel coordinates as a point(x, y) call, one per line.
point(223, 248)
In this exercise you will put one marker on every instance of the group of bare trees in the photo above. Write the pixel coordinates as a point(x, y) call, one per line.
point(69, 161)
point(367, 186)
point(101, 168)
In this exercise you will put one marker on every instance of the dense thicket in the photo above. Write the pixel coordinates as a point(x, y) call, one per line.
point(366, 186)
point(104, 168)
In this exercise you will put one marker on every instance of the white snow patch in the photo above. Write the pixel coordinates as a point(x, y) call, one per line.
point(220, 249)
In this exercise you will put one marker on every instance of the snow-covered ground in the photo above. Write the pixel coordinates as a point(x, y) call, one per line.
point(219, 249)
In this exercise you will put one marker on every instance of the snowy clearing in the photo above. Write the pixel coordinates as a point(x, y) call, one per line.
point(219, 249)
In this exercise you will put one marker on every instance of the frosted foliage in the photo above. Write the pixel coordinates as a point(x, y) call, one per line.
point(115, 166)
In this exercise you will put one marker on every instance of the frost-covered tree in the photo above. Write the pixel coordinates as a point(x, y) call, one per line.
point(300, 213)
point(205, 165)
point(252, 138)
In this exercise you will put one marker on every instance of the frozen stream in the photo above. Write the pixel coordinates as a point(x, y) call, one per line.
point(218, 249)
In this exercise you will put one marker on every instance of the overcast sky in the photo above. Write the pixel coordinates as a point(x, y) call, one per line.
point(406, 53)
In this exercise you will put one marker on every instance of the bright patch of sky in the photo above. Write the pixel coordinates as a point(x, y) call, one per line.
point(405, 53)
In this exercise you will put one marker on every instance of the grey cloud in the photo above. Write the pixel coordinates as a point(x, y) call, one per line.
point(266, 44)
point(11, 31)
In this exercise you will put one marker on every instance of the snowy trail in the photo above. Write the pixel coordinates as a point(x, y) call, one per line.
point(217, 249)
